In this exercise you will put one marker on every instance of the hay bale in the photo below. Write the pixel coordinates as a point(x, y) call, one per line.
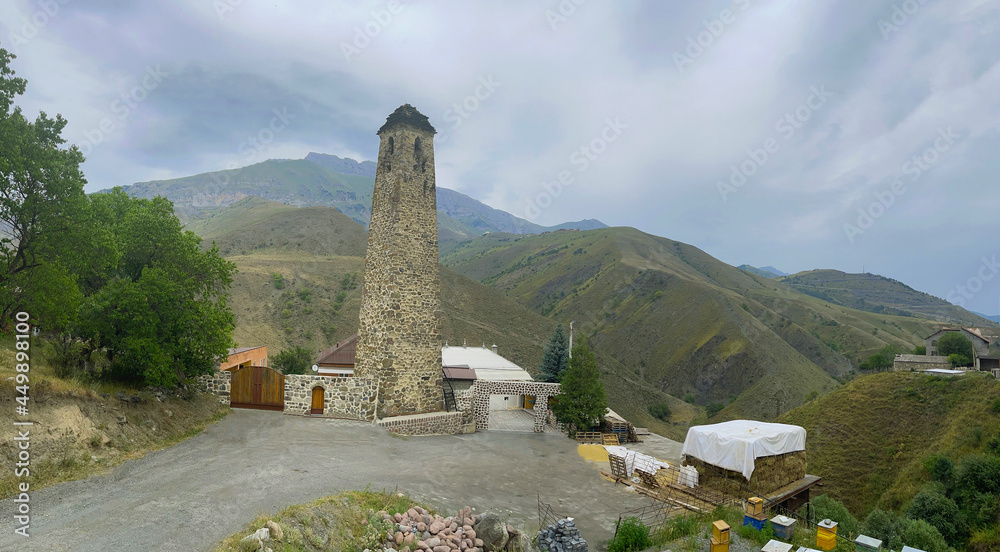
point(770, 474)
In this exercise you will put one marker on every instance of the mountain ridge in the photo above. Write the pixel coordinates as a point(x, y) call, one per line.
point(328, 180)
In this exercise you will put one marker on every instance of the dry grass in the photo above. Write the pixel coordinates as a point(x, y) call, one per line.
point(346, 522)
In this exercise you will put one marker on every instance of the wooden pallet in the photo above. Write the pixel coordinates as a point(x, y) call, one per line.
point(618, 470)
point(589, 437)
point(610, 439)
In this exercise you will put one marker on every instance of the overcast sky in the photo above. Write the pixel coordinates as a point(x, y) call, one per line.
point(801, 135)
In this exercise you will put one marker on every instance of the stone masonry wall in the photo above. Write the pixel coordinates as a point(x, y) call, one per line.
point(905, 363)
point(352, 398)
point(542, 391)
point(218, 383)
point(399, 340)
point(437, 423)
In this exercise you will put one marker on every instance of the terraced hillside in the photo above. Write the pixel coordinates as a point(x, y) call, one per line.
point(681, 321)
point(878, 294)
point(868, 439)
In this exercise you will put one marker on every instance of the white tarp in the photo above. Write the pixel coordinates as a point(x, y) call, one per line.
point(734, 445)
point(636, 460)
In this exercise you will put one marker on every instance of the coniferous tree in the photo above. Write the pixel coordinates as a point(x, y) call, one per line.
point(556, 356)
point(581, 403)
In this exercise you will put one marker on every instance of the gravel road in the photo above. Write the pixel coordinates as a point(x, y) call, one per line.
point(190, 496)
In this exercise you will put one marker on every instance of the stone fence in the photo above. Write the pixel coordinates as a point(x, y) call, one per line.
point(217, 383)
point(349, 397)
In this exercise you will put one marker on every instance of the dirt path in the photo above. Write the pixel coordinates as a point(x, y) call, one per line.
point(192, 495)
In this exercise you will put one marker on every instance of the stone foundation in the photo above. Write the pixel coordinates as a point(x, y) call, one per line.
point(434, 423)
point(218, 383)
point(352, 398)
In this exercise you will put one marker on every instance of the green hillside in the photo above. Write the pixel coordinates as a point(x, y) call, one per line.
point(878, 294)
point(682, 322)
point(318, 253)
point(868, 439)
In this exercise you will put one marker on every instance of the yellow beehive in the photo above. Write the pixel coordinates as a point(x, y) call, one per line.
point(755, 506)
point(827, 526)
point(826, 541)
point(718, 546)
point(720, 531)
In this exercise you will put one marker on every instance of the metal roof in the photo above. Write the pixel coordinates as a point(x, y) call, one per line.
point(342, 354)
point(488, 365)
point(238, 350)
point(459, 373)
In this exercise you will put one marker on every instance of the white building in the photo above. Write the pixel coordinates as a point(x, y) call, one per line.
point(487, 365)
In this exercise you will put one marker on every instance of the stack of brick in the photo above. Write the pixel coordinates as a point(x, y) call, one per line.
point(562, 536)
point(416, 529)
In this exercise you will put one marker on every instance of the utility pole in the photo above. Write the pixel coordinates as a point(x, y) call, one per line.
point(571, 338)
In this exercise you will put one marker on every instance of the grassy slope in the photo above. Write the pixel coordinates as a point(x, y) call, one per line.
point(83, 435)
point(874, 293)
point(867, 439)
point(680, 321)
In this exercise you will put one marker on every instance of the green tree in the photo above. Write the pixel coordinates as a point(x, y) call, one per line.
point(661, 411)
point(919, 350)
point(297, 360)
point(160, 309)
point(954, 343)
point(41, 199)
point(881, 360)
point(921, 535)
point(932, 506)
point(886, 526)
point(556, 356)
point(582, 402)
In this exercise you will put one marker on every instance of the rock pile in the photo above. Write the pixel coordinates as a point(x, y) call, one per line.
point(561, 537)
point(416, 529)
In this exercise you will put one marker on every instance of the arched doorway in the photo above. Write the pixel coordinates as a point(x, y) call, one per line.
point(317, 400)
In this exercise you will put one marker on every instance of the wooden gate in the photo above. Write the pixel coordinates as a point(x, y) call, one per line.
point(258, 387)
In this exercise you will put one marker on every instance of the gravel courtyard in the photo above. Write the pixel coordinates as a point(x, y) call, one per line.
point(191, 495)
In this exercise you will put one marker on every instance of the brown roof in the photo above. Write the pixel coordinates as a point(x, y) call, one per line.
point(341, 354)
point(459, 373)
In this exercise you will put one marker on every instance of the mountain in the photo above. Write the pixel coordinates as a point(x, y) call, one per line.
point(343, 166)
point(773, 270)
point(760, 271)
point(878, 294)
point(330, 181)
point(869, 439)
point(319, 254)
point(680, 321)
point(988, 317)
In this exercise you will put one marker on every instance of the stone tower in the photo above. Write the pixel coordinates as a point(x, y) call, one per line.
point(399, 333)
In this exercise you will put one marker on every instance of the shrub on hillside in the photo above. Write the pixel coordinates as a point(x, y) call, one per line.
point(826, 507)
point(941, 468)
point(920, 350)
point(932, 506)
point(660, 411)
point(714, 409)
point(278, 279)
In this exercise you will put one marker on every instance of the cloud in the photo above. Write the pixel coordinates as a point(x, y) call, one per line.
point(339, 68)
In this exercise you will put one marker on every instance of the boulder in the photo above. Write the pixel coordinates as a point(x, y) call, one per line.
point(491, 529)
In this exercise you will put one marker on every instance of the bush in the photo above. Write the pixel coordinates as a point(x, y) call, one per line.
point(714, 409)
point(935, 508)
point(996, 406)
point(920, 350)
point(293, 361)
point(923, 536)
point(278, 279)
point(941, 468)
point(305, 294)
point(660, 411)
point(959, 360)
point(632, 536)
point(885, 526)
point(825, 507)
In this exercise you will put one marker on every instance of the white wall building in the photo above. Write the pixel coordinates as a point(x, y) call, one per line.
point(488, 366)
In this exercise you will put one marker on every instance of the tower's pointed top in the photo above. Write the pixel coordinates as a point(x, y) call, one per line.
point(407, 114)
